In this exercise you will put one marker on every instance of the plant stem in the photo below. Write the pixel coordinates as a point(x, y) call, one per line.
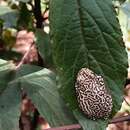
point(24, 57)
point(120, 119)
point(39, 23)
point(68, 127)
point(38, 14)
point(78, 126)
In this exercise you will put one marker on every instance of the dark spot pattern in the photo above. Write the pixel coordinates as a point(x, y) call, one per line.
point(92, 95)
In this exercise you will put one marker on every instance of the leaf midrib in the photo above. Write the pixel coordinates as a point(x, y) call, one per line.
point(84, 40)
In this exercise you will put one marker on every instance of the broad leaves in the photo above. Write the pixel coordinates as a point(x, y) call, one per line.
point(6, 74)
point(8, 98)
point(86, 33)
point(41, 88)
point(40, 85)
point(10, 108)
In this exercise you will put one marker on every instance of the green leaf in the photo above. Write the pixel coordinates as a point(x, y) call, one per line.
point(10, 55)
point(41, 88)
point(86, 33)
point(10, 108)
point(6, 74)
point(8, 15)
point(10, 19)
point(8, 98)
point(4, 10)
point(27, 69)
point(44, 46)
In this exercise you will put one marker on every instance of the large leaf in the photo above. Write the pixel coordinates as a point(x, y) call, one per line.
point(10, 108)
point(44, 46)
point(86, 33)
point(4, 10)
point(6, 74)
point(27, 69)
point(8, 97)
point(10, 94)
point(41, 88)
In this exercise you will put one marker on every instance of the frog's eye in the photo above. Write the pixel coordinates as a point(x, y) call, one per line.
point(92, 95)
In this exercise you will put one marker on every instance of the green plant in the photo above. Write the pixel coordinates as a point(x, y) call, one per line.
point(83, 33)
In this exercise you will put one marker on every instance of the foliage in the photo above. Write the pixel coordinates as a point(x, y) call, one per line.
point(83, 37)
point(44, 46)
point(26, 15)
point(40, 84)
point(83, 33)
point(9, 16)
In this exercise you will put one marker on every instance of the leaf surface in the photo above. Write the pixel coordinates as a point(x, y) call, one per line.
point(44, 46)
point(41, 88)
point(6, 74)
point(4, 10)
point(86, 33)
point(9, 98)
point(9, 16)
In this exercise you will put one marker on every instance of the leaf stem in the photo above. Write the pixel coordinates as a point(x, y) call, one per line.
point(78, 126)
point(38, 13)
point(24, 57)
point(120, 119)
point(68, 127)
